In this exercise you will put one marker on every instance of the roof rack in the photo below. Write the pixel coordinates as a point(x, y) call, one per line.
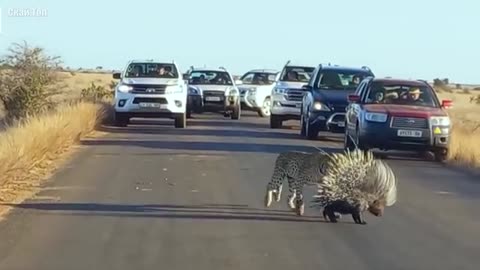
point(366, 68)
point(222, 68)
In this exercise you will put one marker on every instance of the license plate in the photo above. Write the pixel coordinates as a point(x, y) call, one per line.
point(409, 133)
point(341, 124)
point(212, 98)
point(150, 105)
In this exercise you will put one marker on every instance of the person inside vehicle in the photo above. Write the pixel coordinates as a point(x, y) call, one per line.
point(356, 80)
point(413, 96)
point(292, 76)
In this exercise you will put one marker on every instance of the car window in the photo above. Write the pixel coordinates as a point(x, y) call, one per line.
point(401, 94)
point(210, 77)
point(151, 70)
point(297, 74)
point(259, 78)
point(340, 79)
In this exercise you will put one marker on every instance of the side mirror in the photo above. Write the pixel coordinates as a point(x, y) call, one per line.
point(447, 103)
point(353, 98)
point(117, 75)
point(238, 82)
point(306, 87)
point(185, 76)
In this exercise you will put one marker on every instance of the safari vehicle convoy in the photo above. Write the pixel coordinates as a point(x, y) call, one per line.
point(213, 90)
point(150, 89)
point(396, 114)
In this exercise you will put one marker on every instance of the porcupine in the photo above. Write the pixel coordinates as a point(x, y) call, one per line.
point(300, 169)
point(355, 182)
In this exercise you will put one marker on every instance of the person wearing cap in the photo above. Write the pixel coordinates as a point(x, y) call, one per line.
point(414, 94)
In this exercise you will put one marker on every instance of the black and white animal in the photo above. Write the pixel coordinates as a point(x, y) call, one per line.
point(356, 182)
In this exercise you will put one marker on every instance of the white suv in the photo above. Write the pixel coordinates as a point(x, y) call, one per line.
point(256, 89)
point(150, 89)
point(217, 90)
point(287, 95)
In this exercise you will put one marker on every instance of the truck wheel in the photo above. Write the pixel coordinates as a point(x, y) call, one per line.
point(310, 130)
point(180, 120)
point(121, 120)
point(236, 113)
point(441, 155)
point(189, 114)
point(275, 121)
point(264, 111)
point(303, 127)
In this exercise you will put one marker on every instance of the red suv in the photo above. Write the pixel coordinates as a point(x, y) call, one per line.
point(395, 114)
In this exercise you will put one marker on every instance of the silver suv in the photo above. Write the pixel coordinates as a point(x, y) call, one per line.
point(150, 89)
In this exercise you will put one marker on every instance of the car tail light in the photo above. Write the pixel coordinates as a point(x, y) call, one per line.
point(353, 98)
point(447, 103)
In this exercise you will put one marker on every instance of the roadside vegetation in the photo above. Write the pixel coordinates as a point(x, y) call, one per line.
point(41, 124)
point(465, 115)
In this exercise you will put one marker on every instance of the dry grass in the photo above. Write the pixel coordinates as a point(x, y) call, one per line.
point(464, 148)
point(74, 83)
point(28, 152)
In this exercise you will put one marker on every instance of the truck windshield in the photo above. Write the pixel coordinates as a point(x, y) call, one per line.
point(258, 78)
point(341, 79)
point(151, 70)
point(401, 95)
point(297, 74)
point(210, 77)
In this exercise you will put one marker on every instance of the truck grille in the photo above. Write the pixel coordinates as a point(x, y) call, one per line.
point(294, 95)
point(149, 89)
point(409, 122)
point(339, 108)
point(214, 93)
point(149, 100)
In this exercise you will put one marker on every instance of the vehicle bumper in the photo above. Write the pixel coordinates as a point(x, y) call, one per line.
point(286, 109)
point(195, 103)
point(160, 105)
point(229, 103)
point(332, 121)
point(380, 135)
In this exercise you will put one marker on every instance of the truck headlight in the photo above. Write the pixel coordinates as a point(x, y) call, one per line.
point(440, 121)
point(279, 90)
point(192, 91)
point(124, 88)
point(376, 117)
point(318, 106)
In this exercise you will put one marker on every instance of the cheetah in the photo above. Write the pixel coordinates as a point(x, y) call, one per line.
point(300, 169)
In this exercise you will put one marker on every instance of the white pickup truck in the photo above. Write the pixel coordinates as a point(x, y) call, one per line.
point(150, 89)
point(287, 95)
point(256, 89)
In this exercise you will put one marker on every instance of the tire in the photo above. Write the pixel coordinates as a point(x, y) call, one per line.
point(311, 131)
point(276, 121)
point(441, 155)
point(180, 120)
point(121, 120)
point(236, 113)
point(265, 110)
point(189, 114)
point(303, 127)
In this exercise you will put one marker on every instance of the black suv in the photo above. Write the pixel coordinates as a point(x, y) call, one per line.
point(326, 97)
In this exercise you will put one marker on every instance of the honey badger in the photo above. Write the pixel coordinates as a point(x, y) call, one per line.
point(300, 169)
point(355, 182)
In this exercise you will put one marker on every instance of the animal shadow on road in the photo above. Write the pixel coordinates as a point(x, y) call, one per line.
point(168, 211)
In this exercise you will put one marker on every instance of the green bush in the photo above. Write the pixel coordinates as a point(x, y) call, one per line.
point(96, 93)
point(26, 86)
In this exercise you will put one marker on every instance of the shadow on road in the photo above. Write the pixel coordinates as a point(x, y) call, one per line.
point(208, 146)
point(169, 211)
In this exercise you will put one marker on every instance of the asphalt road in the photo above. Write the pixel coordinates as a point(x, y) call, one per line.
point(153, 197)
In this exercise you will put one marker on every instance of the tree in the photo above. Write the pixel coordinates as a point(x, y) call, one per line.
point(26, 86)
